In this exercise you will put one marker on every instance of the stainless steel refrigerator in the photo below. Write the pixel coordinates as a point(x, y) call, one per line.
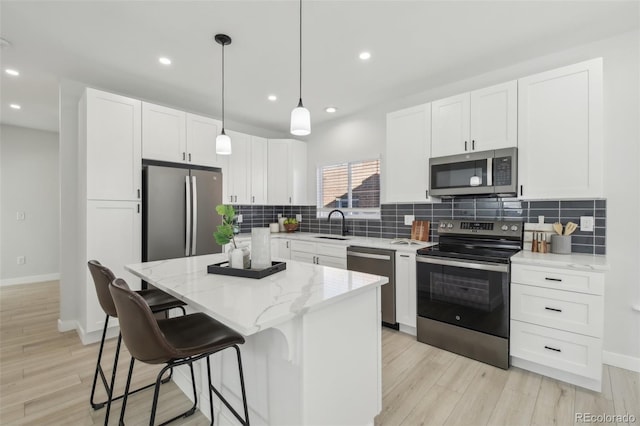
point(179, 210)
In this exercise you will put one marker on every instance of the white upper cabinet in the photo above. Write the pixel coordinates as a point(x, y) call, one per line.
point(201, 140)
point(179, 137)
point(560, 132)
point(450, 121)
point(259, 165)
point(110, 132)
point(407, 154)
point(287, 172)
point(238, 177)
point(164, 134)
point(477, 121)
point(494, 117)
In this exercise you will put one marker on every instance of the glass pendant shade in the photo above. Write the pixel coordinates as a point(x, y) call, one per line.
point(223, 144)
point(300, 121)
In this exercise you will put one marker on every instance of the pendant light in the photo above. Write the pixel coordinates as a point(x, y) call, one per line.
point(223, 142)
point(300, 117)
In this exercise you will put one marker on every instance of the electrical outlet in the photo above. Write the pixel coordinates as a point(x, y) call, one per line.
point(21, 260)
point(239, 218)
point(586, 223)
point(408, 219)
point(20, 216)
point(279, 215)
point(299, 217)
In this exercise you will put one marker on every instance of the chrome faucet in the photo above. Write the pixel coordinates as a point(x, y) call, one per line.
point(344, 227)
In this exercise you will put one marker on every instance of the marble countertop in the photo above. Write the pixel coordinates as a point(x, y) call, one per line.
point(580, 261)
point(384, 243)
point(250, 305)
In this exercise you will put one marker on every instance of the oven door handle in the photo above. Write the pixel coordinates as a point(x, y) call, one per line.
point(461, 264)
point(368, 255)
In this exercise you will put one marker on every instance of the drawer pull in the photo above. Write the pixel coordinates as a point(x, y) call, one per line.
point(553, 309)
point(553, 279)
point(552, 349)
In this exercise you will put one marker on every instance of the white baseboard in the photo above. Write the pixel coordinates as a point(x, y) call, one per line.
point(95, 336)
point(67, 325)
point(30, 279)
point(621, 361)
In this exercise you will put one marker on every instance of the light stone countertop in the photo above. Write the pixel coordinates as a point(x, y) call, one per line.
point(250, 305)
point(585, 262)
point(383, 243)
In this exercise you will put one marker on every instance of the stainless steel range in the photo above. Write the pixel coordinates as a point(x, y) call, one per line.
point(463, 288)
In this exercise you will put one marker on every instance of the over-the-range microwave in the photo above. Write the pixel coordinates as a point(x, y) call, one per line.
point(485, 173)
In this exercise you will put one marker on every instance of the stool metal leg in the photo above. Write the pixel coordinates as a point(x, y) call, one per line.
point(126, 392)
point(156, 393)
point(98, 405)
point(244, 421)
point(113, 381)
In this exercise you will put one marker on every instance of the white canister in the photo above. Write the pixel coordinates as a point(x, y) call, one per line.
point(274, 227)
point(236, 258)
point(281, 223)
point(260, 248)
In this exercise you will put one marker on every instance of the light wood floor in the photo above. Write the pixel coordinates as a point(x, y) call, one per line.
point(45, 379)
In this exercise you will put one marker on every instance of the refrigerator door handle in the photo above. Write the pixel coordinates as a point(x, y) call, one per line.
point(187, 231)
point(195, 215)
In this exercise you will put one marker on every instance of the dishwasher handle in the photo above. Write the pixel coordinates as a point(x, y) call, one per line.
point(368, 255)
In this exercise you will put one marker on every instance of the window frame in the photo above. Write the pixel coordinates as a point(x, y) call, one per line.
point(349, 212)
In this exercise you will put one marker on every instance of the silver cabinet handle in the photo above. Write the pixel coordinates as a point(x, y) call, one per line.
point(138, 192)
point(138, 208)
point(473, 145)
point(404, 255)
point(187, 230)
point(552, 349)
point(253, 198)
point(553, 279)
point(553, 309)
point(231, 198)
point(189, 156)
point(469, 265)
point(195, 215)
point(465, 145)
point(287, 244)
point(289, 200)
point(184, 156)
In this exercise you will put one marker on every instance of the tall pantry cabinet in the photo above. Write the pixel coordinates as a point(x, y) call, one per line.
point(109, 200)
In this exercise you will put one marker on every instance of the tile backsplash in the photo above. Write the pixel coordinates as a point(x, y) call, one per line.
point(391, 224)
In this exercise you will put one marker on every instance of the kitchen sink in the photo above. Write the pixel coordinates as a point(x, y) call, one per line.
point(331, 238)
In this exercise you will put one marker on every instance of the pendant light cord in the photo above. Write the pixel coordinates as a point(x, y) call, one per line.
point(300, 53)
point(223, 88)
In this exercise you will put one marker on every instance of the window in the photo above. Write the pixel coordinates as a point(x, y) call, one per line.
point(352, 187)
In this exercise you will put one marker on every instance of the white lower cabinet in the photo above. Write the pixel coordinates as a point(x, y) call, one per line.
point(114, 238)
point(557, 318)
point(320, 254)
point(406, 291)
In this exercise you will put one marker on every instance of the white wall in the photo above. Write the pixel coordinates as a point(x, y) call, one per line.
point(361, 134)
point(29, 184)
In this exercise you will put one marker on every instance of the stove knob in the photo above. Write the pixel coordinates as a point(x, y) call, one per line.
point(449, 225)
point(443, 225)
point(514, 227)
point(504, 228)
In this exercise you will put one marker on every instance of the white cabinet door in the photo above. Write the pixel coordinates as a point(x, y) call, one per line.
point(114, 237)
point(278, 171)
point(408, 148)
point(494, 117)
point(284, 248)
point(406, 289)
point(164, 133)
point(201, 140)
point(110, 128)
point(334, 262)
point(298, 172)
point(560, 132)
point(259, 165)
point(450, 125)
point(239, 168)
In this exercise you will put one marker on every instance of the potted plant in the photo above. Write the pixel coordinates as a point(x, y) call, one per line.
point(238, 256)
point(291, 224)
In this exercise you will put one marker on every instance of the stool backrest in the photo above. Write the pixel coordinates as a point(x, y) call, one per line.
point(139, 327)
point(102, 277)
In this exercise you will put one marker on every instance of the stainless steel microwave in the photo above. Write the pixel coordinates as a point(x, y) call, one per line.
point(484, 173)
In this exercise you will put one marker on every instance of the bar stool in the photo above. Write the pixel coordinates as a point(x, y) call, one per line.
point(157, 300)
point(173, 341)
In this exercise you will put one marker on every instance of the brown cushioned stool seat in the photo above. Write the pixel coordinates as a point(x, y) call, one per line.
point(158, 301)
point(173, 341)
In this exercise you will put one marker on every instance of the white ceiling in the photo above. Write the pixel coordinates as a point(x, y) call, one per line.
point(415, 45)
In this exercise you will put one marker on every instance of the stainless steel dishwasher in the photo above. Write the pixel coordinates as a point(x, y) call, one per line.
point(378, 262)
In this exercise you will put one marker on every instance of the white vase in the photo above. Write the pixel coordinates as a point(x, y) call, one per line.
point(236, 258)
point(260, 248)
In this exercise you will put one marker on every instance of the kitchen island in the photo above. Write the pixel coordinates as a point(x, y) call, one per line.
point(313, 341)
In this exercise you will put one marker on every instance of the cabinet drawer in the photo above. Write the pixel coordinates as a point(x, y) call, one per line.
point(303, 246)
point(335, 250)
point(560, 279)
point(564, 310)
point(573, 353)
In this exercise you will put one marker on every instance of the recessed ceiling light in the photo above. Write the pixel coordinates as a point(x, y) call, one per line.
point(164, 60)
point(330, 110)
point(15, 106)
point(14, 73)
point(365, 55)
point(272, 98)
